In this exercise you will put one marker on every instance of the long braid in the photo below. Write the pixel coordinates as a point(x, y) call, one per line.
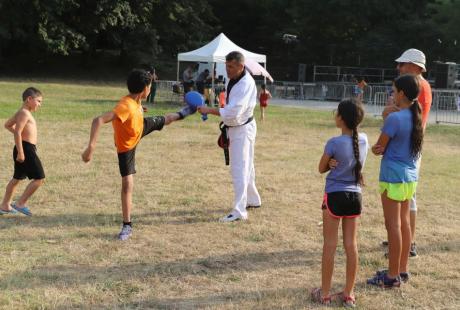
point(417, 130)
point(352, 113)
point(358, 166)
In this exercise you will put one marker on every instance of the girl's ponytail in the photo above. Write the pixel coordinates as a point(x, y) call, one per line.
point(410, 86)
point(417, 130)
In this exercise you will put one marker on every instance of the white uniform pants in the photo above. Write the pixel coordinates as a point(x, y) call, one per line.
point(242, 140)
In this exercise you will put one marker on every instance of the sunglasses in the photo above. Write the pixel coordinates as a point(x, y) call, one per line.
point(400, 64)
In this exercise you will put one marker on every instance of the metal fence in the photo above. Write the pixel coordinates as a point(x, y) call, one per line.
point(445, 105)
point(288, 90)
point(347, 74)
point(170, 91)
point(321, 91)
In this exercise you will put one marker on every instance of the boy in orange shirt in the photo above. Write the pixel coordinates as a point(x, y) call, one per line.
point(130, 126)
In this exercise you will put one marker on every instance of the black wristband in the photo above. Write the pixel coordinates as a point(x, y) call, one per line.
point(181, 116)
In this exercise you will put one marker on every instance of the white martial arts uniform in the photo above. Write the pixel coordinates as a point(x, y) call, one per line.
point(239, 108)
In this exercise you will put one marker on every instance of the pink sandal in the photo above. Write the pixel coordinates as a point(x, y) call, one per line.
point(347, 301)
point(318, 298)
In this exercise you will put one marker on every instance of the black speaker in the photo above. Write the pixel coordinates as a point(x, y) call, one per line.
point(301, 72)
point(446, 74)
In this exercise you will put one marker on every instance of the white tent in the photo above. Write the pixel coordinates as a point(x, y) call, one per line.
point(215, 52)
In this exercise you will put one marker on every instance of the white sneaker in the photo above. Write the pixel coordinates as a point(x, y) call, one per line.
point(232, 218)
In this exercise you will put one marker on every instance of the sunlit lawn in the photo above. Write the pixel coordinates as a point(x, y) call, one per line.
point(180, 256)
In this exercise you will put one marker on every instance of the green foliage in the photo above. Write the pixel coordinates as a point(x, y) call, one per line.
point(340, 32)
point(138, 30)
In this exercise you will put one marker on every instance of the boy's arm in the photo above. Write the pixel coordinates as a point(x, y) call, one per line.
point(11, 124)
point(95, 127)
point(21, 120)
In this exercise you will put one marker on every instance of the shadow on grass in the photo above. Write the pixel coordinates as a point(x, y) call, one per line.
point(232, 264)
point(298, 298)
point(97, 220)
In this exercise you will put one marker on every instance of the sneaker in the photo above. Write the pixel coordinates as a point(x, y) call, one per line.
point(231, 218)
point(125, 233)
point(403, 275)
point(413, 250)
point(381, 279)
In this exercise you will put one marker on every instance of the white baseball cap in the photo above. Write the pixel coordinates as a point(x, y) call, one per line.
point(413, 56)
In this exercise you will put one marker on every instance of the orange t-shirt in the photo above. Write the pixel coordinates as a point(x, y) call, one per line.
point(425, 99)
point(128, 124)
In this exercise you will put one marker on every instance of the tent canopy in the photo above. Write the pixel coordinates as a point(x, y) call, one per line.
point(216, 50)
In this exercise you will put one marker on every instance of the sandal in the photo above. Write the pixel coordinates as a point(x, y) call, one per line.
point(318, 298)
point(12, 211)
point(24, 210)
point(347, 301)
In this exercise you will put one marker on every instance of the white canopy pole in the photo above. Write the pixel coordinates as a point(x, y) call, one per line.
point(265, 79)
point(212, 85)
point(177, 76)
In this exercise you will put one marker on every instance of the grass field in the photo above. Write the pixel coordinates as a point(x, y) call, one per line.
point(180, 257)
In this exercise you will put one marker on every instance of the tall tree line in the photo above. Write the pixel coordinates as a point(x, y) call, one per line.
point(337, 32)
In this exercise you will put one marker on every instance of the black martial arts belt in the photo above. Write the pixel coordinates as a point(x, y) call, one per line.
point(223, 140)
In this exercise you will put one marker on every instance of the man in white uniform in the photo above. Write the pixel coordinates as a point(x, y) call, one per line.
point(237, 115)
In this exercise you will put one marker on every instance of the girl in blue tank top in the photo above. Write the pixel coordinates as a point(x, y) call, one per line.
point(400, 143)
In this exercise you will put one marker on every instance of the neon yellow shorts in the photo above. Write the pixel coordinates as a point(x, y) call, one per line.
point(398, 191)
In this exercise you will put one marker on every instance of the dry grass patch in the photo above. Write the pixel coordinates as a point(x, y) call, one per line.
point(180, 257)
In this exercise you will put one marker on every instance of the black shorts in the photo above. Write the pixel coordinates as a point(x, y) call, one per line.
point(127, 160)
point(342, 204)
point(31, 167)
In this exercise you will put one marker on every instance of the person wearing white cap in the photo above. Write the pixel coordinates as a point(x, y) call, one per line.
point(413, 61)
point(238, 117)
